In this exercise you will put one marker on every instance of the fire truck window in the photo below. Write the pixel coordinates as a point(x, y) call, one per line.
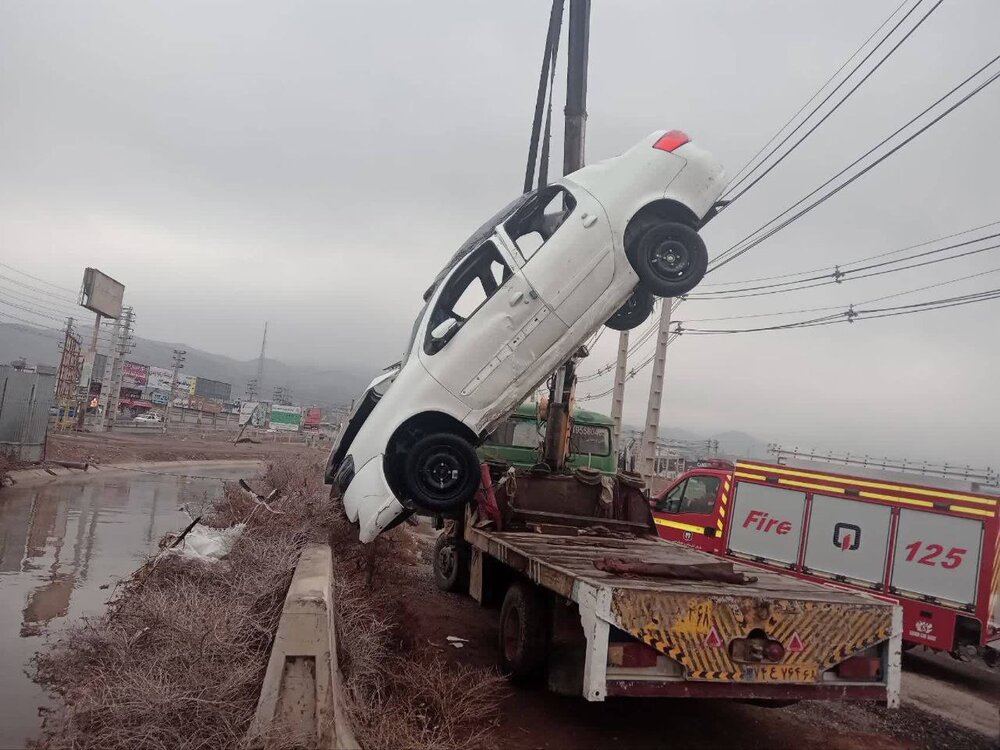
point(699, 495)
point(670, 502)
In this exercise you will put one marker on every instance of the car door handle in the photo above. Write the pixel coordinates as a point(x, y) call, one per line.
point(516, 297)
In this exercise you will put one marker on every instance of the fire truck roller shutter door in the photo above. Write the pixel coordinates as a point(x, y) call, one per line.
point(848, 538)
point(937, 555)
point(767, 522)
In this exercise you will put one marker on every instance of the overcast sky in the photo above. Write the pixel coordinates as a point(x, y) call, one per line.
point(315, 163)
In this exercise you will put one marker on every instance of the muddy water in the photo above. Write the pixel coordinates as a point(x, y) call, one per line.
point(63, 547)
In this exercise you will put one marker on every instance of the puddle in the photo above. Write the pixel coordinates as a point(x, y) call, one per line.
point(59, 544)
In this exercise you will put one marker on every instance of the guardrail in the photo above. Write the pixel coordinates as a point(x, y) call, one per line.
point(302, 689)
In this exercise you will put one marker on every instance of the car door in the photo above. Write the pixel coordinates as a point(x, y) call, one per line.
point(565, 242)
point(494, 310)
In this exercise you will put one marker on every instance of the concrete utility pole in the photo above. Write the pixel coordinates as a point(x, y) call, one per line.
point(652, 429)
point(618, 395)
point(560, 398)
point(178, 357)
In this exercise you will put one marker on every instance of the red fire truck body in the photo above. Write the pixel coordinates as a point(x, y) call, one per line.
point(934, 550)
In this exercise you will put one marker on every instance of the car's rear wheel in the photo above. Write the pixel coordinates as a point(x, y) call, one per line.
point(441, 472)
point(670, 258)
point(636, 309)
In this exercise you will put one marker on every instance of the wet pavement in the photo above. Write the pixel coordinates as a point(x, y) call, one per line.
point(63, 546)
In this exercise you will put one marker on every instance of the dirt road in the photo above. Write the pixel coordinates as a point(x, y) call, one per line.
point(946, 704)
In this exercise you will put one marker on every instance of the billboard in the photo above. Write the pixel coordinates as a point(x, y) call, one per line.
point(287, 418)
point(134, 375)
point(159, 378)
point(102, 294)
point(213, 389)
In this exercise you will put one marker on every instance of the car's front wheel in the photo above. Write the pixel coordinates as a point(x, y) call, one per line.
point(670, 258)
point(636, 309)
point(441, 472)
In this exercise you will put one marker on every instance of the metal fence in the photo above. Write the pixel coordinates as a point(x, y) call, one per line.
point(25, 401)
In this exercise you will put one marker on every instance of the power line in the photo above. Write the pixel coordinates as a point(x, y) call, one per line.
point(831, 269)
point(839, 276)
point(64, 309)
point(36, 278)
point(838, 104)
point(733, 182)
point(46, 292)
point(631, 374)
point(852, 315)
point(735, 251)
point(840, 307)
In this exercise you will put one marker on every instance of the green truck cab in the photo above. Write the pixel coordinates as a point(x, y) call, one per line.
point(518, 440)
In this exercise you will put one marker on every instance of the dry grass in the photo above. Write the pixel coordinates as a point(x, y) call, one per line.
point(400, 697)
point(178, 660)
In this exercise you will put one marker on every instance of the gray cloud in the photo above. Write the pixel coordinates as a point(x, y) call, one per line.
point(314, 164)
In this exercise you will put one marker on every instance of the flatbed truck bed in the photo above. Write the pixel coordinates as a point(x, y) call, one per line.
point(601, 634)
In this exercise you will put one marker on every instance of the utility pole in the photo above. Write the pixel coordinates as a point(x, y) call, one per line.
point(618, 395)
point(652, 429)
point(557, 424)
point(178, 357)
point(259, 383)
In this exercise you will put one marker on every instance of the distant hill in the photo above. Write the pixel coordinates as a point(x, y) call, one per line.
point(309, 384)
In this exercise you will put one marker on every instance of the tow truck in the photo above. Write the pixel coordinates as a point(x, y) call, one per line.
point(593, 602)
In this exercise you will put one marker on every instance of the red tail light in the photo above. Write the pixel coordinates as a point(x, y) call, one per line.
point(672, 140)
point(774, 651)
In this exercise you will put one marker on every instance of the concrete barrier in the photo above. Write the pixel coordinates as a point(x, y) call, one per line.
point(302, 689)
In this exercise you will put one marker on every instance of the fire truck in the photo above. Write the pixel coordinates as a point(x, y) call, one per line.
point(933, 549)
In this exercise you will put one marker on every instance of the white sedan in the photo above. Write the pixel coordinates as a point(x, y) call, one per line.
point(513, 304)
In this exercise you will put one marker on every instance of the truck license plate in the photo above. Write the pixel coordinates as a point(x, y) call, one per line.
point(780, 673)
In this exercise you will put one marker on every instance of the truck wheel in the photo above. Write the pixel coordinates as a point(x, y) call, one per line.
point(523, 633)
point(636, 309)
point(451, 564)
point(670, 258)
point(441, 472)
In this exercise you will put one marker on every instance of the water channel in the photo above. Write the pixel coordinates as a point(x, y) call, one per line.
point(64, 545)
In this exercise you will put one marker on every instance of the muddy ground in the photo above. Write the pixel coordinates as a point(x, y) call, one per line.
point(110, 448)
point(946, 704)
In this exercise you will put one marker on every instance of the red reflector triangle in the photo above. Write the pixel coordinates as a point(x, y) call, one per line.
point(795, 644)
point(713, 640)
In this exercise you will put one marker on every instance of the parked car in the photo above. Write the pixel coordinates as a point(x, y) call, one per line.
point(148, 418)
point(513, 304)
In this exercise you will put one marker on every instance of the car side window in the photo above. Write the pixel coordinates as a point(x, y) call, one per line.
point(537, 220)
point(476, 280)
point(699, 495)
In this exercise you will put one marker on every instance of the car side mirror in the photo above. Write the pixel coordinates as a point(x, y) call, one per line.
point(444, 330)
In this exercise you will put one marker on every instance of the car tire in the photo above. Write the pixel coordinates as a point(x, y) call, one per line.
point(451, 564)
point(669, 258)
point(636, 309)
point(523, 633)
point(441, 472)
